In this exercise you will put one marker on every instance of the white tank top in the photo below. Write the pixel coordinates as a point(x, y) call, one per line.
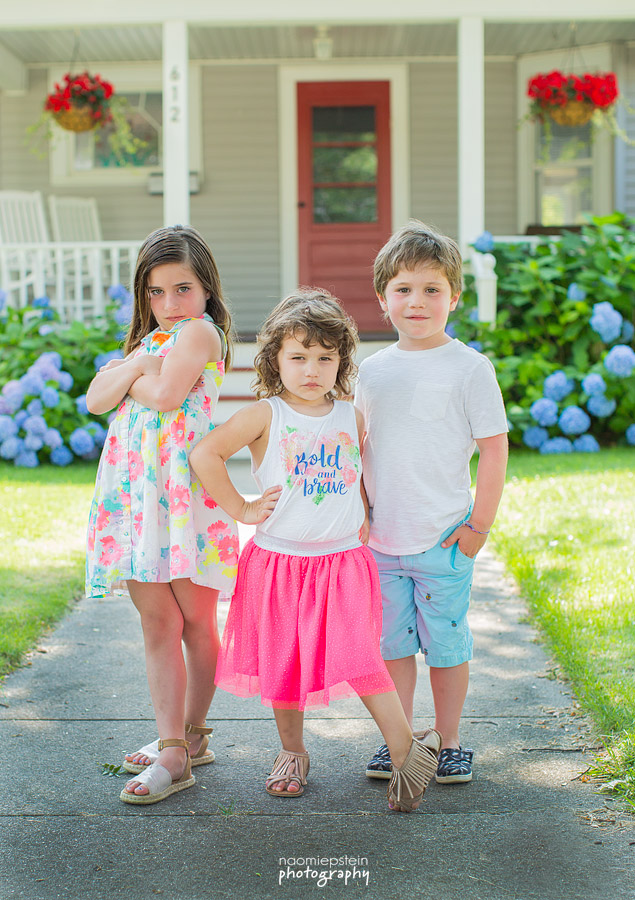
point(318, 463)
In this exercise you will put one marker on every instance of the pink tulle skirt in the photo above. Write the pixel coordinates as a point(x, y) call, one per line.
point(303, 630)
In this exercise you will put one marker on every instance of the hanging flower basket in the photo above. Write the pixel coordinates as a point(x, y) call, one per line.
point(571, 100)
point(572, 114)
point(81, 103)
point(77, 118)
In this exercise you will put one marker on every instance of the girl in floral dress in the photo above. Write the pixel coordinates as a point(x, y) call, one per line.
point(152, 524)
point(304, 625)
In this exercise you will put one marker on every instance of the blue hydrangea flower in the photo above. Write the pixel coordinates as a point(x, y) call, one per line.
point(65, 380)
point(557, 386)
point(574, 420)
point(575, 292)
point(81, 442)
point(61, 456)
point(3, 299)
point(627, 333)
point(35, 407)
point(630, 435)
point(98, 433)
point(557, 445)
point(51, 357)
point(586, 443)
point(27, 458)
point(13, 394)
point(620, 360)
point(103, 358)
point(535, 436)
point(484, 243)
point(20, 417)
point(473, 314)
point(5, 409)
point(32, 383)
point(80, 403)
point(43, 330)
point(601, 406)
point(49, 397)
point(53, 438)
point(120, 293)
point(41, 302)
point(593, 384)
point(607, 281)
point(33, 442)
point(10, 448)
point(450, 330)
point(123, 315)
point(35, 425)
point(476, 345)
point(8, 428)
point(544, 411)
point(606, 321)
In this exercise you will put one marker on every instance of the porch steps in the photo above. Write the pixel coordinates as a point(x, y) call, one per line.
point(236, 390)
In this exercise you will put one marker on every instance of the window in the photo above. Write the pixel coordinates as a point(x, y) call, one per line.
point(570, 173)
point(86, 159)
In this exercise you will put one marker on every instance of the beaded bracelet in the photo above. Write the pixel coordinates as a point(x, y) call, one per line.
point(472, 528)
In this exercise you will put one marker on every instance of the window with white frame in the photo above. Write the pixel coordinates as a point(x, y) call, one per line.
point(563, 171)
point(87, 159)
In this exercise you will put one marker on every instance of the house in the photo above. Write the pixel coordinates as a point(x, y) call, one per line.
point(296, 135)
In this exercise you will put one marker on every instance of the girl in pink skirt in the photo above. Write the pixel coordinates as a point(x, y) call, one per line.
point(304, 624)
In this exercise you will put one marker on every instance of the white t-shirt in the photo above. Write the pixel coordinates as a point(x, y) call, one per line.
point(423, 409)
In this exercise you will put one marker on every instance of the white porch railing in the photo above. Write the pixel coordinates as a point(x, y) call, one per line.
point(74, 276)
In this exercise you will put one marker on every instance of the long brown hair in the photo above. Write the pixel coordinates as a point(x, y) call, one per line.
point(184, 245)
point(313, 316)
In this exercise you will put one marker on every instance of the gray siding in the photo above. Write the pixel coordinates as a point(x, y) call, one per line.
point(433, 148)
point(238, 210)
point(500, 147)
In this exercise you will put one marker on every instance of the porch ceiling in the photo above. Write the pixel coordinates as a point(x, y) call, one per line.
point(142, 43)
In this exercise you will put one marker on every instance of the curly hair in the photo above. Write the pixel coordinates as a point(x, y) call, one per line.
point(312, 316)
point(176, 244)
point(417, 244)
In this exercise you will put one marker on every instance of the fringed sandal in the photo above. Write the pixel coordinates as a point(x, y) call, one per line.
point(200, 758)
point(159, 781)
point(288, 767)
point(409, 782)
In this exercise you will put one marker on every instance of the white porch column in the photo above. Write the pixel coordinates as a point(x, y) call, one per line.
point(471, 109)
point(176, 155)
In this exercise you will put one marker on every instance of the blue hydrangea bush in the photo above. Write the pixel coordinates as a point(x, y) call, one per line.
point(563, 343)
point(45, 370)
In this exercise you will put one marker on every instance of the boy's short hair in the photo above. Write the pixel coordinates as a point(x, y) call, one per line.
point(417, 244)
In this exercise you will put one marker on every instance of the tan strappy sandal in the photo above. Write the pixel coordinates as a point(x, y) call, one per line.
point(200, 758)
point(409, 782)
point(288, 767)
point(158, 780)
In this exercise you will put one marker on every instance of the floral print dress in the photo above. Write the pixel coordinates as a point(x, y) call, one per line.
point(151, 520)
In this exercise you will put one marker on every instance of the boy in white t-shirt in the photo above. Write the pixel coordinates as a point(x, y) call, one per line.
point(428, 401)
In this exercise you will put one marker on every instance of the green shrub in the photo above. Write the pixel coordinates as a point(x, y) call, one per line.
point(565, 306)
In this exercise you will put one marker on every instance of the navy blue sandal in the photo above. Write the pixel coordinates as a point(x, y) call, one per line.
point(454, 766)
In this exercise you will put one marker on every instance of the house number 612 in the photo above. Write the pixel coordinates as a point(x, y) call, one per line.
point(175, 107)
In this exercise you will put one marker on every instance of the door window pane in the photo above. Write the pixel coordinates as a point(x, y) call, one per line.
point(344, 164)
point(356, 204)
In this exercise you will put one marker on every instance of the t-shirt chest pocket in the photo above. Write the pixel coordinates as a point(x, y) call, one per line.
point(430, 401)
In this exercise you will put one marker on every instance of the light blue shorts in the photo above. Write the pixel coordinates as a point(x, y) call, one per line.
point(426, 597)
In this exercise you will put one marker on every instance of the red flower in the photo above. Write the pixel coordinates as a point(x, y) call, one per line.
point(599, 89)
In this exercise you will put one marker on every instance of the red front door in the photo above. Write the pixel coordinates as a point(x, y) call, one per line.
point(344, 191)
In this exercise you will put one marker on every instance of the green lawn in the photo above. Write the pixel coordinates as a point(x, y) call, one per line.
point(43, 539)
point(566, 532)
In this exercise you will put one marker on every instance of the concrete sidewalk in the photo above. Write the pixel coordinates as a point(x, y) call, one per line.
point(525, 829)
